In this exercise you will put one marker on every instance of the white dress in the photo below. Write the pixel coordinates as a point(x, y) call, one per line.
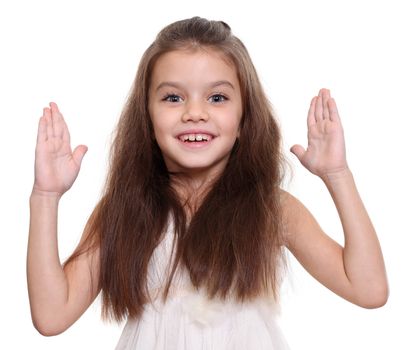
point(190, 321)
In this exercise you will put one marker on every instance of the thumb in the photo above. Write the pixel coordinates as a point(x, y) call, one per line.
point(298, 151)
point(79, 153)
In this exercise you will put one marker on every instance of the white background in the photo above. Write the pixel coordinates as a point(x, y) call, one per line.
point(84, 55)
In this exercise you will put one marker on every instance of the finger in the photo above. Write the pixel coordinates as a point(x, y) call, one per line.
point(325, 93)
point(62, 123)
point(57, 120)
point(334, 113)
point(298, 151)
point(47, 116)
point(42, 130)
point(311, 114)
point(319, 109)
point(79, 153)
point(65, 135)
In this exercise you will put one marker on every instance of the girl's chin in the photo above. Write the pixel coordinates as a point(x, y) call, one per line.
point(196, 168)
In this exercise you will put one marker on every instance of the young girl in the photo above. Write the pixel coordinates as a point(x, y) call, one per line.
point(187, 241)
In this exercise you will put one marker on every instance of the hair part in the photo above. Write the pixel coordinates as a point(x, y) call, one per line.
point(233, 244)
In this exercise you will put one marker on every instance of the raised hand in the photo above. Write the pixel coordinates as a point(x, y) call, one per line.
point(325, 153)
point(56, 166)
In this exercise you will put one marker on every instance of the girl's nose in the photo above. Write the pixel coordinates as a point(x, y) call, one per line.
point(195, 111)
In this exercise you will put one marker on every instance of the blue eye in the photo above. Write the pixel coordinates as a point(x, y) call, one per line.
point(217, 98)
point(172, 98)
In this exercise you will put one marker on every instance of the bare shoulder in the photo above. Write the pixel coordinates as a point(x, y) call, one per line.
point(297, 219)
point(290, 204)
point(293, 210)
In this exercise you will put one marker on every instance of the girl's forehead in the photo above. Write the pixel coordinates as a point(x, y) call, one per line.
point(201, 63)
point(196, 51)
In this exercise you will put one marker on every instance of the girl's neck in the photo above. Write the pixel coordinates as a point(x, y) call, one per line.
point(191, 190)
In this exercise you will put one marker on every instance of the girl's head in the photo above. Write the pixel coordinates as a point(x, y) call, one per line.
point(195, 108)
point(184, 67)
point(196, 80)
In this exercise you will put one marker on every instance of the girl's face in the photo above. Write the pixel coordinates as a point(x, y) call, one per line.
point(195, 106)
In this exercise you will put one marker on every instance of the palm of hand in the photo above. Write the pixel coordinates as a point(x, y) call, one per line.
point(325, 153)
point(56, 166)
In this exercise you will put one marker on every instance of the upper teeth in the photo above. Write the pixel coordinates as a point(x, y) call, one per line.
point(195, 137)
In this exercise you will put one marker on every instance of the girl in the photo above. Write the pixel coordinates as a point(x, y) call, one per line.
point(187, 241)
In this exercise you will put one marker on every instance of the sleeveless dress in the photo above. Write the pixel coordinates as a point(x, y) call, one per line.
point(188, 320)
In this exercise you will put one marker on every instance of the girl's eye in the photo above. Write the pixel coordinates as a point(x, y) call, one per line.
point(172, 98)
point(217, 98)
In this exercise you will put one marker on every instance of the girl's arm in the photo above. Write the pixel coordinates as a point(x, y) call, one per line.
point(57, 297)
point(355, 272)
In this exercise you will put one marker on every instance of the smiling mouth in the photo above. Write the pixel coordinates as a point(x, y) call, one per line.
point(190, 138)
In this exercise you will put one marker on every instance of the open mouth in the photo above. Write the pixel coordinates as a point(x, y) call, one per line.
point(192, 138)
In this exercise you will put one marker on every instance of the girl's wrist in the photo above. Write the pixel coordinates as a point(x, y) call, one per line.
point(338, 176)
point(45, 195)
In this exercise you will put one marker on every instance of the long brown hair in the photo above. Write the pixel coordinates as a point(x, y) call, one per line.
point(232, 244)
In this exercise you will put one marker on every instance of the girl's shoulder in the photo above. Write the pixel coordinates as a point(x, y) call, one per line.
point(296, 218)
point(292, 208)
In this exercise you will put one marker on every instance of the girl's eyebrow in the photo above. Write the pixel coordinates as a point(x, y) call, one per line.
point(179, 85)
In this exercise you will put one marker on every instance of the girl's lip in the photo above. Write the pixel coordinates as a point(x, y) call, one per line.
point(195, 131)
point(195, 144)
point(195, 138)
